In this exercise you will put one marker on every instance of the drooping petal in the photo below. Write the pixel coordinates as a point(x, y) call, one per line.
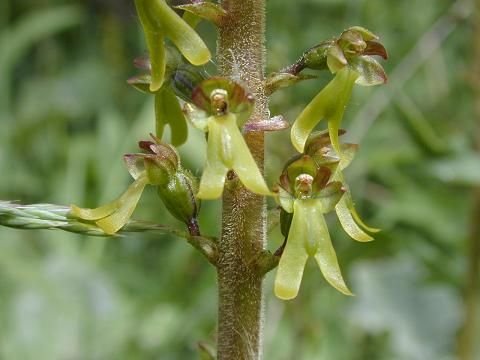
point(182, 35)
point(342, 93)
point(330, 104)
point(357, 217)
point(155, 44)
point(213, 177)
point(95, 214)
point(169, 111)
point(126, 205)
point(325, 253)
point(243, 162)
point(348, 223)
point(112, 216)
point(293, 259)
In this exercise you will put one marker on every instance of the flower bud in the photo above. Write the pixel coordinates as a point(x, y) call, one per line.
point(178, 195)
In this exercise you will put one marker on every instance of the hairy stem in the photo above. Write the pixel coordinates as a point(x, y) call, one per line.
point(241, 55)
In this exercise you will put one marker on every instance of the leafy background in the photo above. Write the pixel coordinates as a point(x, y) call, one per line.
point(67, 116)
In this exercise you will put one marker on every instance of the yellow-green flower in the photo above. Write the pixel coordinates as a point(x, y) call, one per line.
point(225, 104)
point(306, 192)
point(350, 58)
point(319, 147)
point(159, 166)
point(159, 21)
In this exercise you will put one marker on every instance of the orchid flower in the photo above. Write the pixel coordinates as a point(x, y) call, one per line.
point(159, 166)
point(159, 21)
point(223, 104)
point(319, 147)
point(350, 58)
point(305, 193)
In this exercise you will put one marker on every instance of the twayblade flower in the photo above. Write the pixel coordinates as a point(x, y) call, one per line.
point(306, 192)
point(159, 21)
point(350, 58)
point(223, 105)
point(319, 147)
point(159, 166)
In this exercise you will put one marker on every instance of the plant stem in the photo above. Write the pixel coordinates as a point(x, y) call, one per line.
point(241, 56)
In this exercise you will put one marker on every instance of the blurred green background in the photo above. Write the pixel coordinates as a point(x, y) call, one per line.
point(67, 116)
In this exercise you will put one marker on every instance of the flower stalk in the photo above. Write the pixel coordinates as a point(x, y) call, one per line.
point(241, 55)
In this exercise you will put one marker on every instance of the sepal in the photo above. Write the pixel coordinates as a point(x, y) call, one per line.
point(205, 10)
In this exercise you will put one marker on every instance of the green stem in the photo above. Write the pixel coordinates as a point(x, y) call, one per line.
point(241, 56)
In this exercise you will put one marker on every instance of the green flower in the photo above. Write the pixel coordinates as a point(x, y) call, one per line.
point(159, 166)
point(319, 147)
point(350, 58)
point(159, 21)
point(306, 192)
point(222, 105)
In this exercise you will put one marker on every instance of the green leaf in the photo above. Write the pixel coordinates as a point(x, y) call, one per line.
point(168, 111)
point(329, 104)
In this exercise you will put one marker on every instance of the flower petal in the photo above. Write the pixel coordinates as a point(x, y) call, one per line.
point(155, 44)
point(94, 214)
point(348, 223)
point(168, 111)
point(125, 206)
point(182, 35)
point(357, 217)
point(293, 259)
point(213, 177)
point(325, 253)
point(243, 162)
